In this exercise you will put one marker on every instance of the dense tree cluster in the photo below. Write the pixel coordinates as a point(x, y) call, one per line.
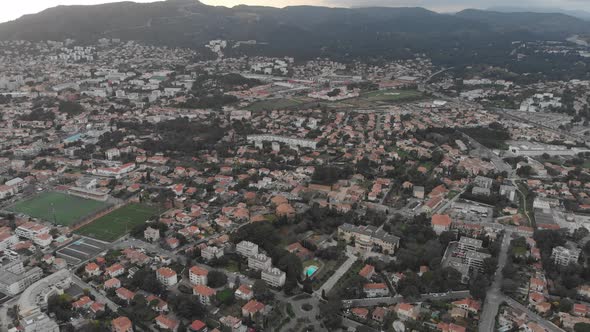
point(71, 108)
point(178, 135)
point(330, 174)
point(38, 114)
point(565, 278)
point(494, 136)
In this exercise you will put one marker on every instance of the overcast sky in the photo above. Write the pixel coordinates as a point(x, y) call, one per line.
point(12, 9)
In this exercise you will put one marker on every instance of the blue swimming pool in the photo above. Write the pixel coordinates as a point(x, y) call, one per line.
point(310, 270)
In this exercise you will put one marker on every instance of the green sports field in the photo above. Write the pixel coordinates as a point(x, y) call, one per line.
point(273, 104)
point(392, 95)
point(119, 222)
point(59, 208)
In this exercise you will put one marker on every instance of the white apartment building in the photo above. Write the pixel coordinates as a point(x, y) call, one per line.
point(7, 239)
point(151, 234)
point(14, 278)
point(211, 252)
point(198, 275)
point(259, 262)
point(564, 256)
point(274, 277)
point(30, 230)
point(167, 276)
point(468, 244)
point(367, 237)
point(475, 259)
point(247, 248)
point(291, 142)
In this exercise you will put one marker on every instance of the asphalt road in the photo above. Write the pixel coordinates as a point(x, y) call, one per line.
point(494, 295)
point(329, 284)
point(533, 316)
point(370, 302)
point(482, 151)
point(98, 296)
point(4, 319)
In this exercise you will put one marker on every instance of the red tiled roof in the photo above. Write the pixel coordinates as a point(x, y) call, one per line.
point(253, 306)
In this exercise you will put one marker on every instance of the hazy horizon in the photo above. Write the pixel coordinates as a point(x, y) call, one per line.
point(13, 11)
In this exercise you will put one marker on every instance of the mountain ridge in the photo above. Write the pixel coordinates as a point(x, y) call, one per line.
point(304, 31)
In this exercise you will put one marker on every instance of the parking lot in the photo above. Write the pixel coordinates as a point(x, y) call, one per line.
point(80, 250)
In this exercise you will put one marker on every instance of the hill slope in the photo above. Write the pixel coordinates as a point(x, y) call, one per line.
point(551, 23)
point(303, 31)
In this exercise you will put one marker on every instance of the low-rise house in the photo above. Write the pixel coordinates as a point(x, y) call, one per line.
point(361, 313)
point(471, 305)
point(584, 290)
point(379, 314)
point(92, 269)
point(122, 324)
point(299, 250)
point(115, 270)
point(537, 284)
point(83, 303)
point(446, 327)
point(97, 308)
point(376, 289)
point(441, 223)
point(172, 242)
point(166, 323)
point(252, 308)
point(157, 304)
point(568, 321)
point(580, 310)
point(233, 323)
point(112, 283)
point(198, 326)
point(367, 272)
point(244, 292)
point(125, 294)
point(406, 311)
point(536, 298)
point(543, 307)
